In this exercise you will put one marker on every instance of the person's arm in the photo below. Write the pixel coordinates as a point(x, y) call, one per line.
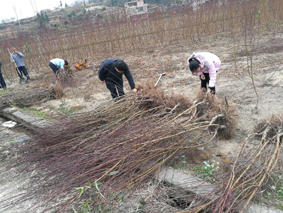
point(130, 78)
point(21, 54)
point(11, 58)
point(212, 75)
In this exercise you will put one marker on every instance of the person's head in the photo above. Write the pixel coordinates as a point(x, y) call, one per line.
point(14, 49)
point(120, 66)
point(66, 62)
point(194, 66)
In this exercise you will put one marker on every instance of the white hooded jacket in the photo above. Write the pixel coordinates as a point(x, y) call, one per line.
point(209, 63)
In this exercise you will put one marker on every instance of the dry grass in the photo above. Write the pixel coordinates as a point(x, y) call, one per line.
point(58, 90)
point(152, 96)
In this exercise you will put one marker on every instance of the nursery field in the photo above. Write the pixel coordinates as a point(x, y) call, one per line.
point(102, 156)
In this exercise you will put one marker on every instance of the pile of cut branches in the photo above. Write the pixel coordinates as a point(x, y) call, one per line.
point(268, 128)
point(65, 76)
point(26, 97)
point(121, 145)
point(251, 170)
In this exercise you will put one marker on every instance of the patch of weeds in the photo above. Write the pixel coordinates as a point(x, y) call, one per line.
point(141, 208)
point(205, 171)
point(93, 203)
point(276, 195)
point(279, 191)
point(13, 104)
point(35, 112)
point(279, 206)
point(2, 92)
point(65, 109)
point(178, 162)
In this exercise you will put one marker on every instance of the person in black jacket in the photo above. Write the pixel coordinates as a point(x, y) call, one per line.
point(111, 72)
point(2, 82)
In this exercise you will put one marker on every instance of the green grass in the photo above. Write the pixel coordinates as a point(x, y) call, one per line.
point(205, 171)
point(2, 92)
point(88, 205)
point(276, 195)
point(34, 112)
point(65, 109)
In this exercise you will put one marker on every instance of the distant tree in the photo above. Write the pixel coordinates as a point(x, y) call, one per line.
point(72, 13)
point(80, 17)
point(66, 5)
point(42, 19)
point(2, 26)
point(47, 18)
point(60, 3)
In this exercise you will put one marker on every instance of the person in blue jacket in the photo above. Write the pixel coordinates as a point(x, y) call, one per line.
point(17, 58)
point(111, 72)
point(2, 82)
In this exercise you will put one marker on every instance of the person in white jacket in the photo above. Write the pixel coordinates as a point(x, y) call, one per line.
point(205, 65)
point(57, 64)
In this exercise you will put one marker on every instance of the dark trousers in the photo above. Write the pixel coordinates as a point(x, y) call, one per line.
point(203, 83)
point(2, 82)
point(112, 88)
point(53, 67)
point(22, 70)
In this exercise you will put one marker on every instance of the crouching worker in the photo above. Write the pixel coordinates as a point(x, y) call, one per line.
point(111, 72)
point(205, 65)
point(57, 64)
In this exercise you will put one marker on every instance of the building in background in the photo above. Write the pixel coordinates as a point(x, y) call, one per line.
point(136, 10)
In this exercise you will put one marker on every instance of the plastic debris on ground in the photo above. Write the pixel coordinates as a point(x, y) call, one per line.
point(9, 124)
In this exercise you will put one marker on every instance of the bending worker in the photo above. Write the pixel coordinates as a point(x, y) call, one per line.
point(57, 64)
point(111, 72)
point(205, 65)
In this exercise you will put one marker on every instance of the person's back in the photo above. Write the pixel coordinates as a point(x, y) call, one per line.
point(111, 71)
point(206, 60)
point(205, 65)
point(57, 64)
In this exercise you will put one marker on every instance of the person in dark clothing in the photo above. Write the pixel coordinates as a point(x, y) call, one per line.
point(111, 72)
point(2, 82)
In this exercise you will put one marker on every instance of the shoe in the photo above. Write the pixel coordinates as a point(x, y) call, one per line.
point(4, 88)
point(204, 89)
point(28, 78)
